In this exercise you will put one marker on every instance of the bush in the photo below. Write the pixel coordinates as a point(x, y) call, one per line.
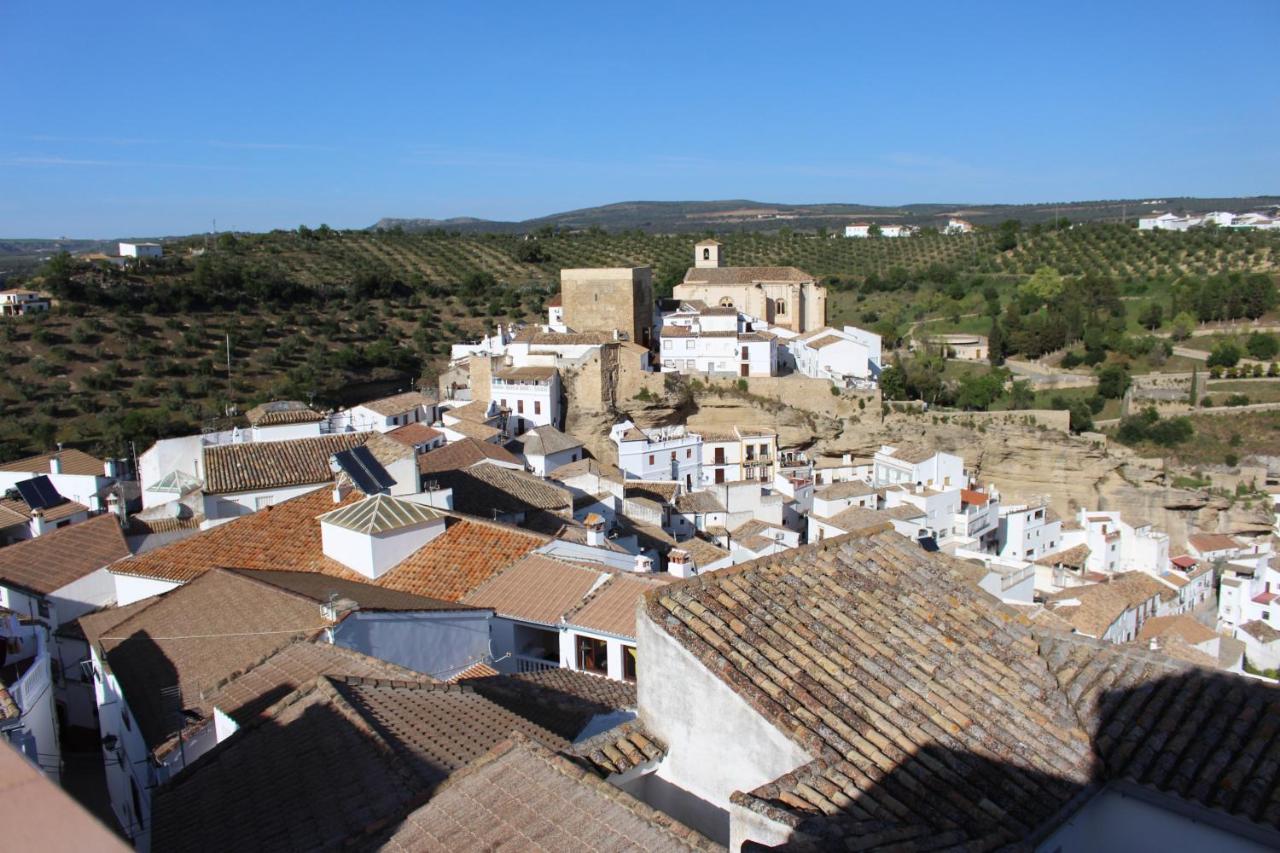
point(1237, 400)
point(1225, 354)
point(1113, 381)
point(1262, 346)
point(1071, 360)
point(1147, 425)
point(1231, 459)
point(1206, 402)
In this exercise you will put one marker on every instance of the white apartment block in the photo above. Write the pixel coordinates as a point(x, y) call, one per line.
point(16, 302)
point(863, 229)
point(1117, 544)
point(697, 338)
point(141, 250)
point(664, 453)
point(1156, 221)
point(531, 396)
point(742, 454)
point(849, 357)
point(1028, 532)
point(913, 466)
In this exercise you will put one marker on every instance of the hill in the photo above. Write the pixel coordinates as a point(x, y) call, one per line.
point(671, 217)
point(137, 353)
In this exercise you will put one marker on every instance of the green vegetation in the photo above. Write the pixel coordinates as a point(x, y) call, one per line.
point(1148, 427)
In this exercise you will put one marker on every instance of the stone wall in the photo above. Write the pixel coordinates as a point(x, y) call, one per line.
point(607, 300)
point(801, 392)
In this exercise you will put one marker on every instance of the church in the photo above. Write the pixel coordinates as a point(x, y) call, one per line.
point(781, 296)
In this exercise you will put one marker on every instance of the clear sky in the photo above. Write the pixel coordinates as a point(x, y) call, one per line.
point(130, 119)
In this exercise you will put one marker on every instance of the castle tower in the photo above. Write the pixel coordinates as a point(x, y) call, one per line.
point(706, 253)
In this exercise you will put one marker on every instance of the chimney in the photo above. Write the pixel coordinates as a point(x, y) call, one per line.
point(37, 522)
point(340, 490)
point(337, 607)
point(643, 563)
point(1154, 644)
point(595, 530)
point(116, 507)
point(679, 564)
point(55, 461)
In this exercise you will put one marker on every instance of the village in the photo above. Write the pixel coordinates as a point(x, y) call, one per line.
point(505, 583)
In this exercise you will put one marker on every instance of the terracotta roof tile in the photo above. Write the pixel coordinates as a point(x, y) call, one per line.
point(278, 412)
point(743, 275)
point(1182, 626)
point(73, 462)
point(484, 488)
point(57, 558)
point(463, 454)
point(1204, 542)
point(265, 465)
point(535, 588)
point(398, 404)
point(1101, 604)
point(611, 608)
point(415, 434)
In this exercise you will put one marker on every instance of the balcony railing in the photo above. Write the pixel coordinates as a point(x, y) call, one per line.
point(525, 663)
point(27, 689)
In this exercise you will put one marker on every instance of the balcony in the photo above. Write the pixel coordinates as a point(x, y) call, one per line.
point(525, 663)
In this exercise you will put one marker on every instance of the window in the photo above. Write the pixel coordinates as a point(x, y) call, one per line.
point(780, 307)
point(593, 655)
point(537, 407)
point(726, 302)
point(706, 254)
point(520, 406)
point(42, 607)
point(688, 453)
point(688, 344)
point(666, 344)
point(650, 458)
point(629, 663)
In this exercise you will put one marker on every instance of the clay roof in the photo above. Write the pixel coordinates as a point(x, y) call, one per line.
point(1204, 542)
point(73, 462)
point(619, 749)
point(846, 489)
point(913, 454)
point(49, 562)
point(661, 491)
point(38, 815)
point(743, 275)
point(707, 242)
point(973, 498)
point(1183, 626)
point(279, 412)
point(704, 553)
point(384, 449)
point(487, 805)
point(1183, 561)
point(525, 374)
point(287, 536)
point(588, 467)
point(824, 341)
point(474, 431)
point(476, 411)
point(1101, 604)
point(169, 643)
point(267, 465)
point(398, 404)
point(381, 514)
point(699, 501)
point(1260, 631)
point(871, 654)
point(545, 440)
point(1073, 558)
point(321, 589)
point(535, 336)
point(463, 454)
point(555, 301)
point(18, 511)
point(611, 607)
point(414, 434)
point(535, 588)
point(481, 489)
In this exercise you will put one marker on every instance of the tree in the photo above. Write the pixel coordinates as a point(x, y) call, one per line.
point(874, 231)
point(1081, 416)
point(1045, 284)
point(1007, 238)
point(996, 343)
point(1021, 395)
point(1113, 381)
point(1152, 316)
point(1182, 326)
point(977, 392)
point(1225, 354)
point(893, 383)
point(1262, 346)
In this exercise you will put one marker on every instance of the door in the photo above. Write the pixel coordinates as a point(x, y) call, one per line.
point(719, 456)
point(743, 370)
point(719, 475)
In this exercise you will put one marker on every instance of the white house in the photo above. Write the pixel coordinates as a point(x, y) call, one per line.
point(835, 498)
point(697, 338)
point(740, 454)
point(863, 229)
point(1028, 532)
point(28, 718)
point(1113, 611)
point(1117, 544)
point(662, 453)
point(33, 508)
point(545, 448)
point(909, 465)
point(75, 475)
point(957, 226)
point(16, 302)
point(849, 357)
point(141, 250)
point(530, 396)
point(386, 413)
point(555, 314)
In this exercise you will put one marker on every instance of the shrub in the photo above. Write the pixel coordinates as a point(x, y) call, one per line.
point(1262, 346)
point(1113, 381)
point(1237, 400)
point(1071, 360)
point(1225, 354)
point(1231, 459)
point(1206, 402)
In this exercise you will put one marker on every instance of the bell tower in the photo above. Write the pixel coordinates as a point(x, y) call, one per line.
point(706, 253)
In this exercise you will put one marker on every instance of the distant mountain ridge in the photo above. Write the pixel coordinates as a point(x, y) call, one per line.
point(743, 214)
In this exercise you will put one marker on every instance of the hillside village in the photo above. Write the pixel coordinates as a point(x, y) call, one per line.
point(538, 583)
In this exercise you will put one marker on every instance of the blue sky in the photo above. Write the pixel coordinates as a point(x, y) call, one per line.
point(139, 120)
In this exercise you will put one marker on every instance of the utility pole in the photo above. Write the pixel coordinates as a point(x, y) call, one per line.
point(228, 354)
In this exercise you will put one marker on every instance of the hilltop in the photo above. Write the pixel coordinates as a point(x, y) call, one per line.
point(669, 217)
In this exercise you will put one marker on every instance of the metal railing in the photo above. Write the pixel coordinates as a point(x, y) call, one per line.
point(525, 663)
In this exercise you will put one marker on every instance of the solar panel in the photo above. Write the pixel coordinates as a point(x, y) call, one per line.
point(365, 472)
point(39, 493)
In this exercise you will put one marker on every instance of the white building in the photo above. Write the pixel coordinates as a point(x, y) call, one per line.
point(744, 453)
point(957, 226)
point(849, 357)
point(386, 413)
point(75, 475)
point(141, 250)
point(16, 302)
point(1028, 532)
point(863, 229)
point(545, 448)
point(529, 395)
point(1117, 544)
point(662, 453)
point(917, 466)
point(697, 338)
point(555, 314)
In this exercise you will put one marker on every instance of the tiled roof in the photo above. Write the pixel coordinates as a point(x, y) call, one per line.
point(491, 804)
point(545, 440)
point(699, 501)
point(1073, 557)
point(398, 404)
point(475, 411)
point(287, 536)
point(562, 687)
point(525, 374)
point(473, 431)
point(588, 467)
point(664, 492)
point(704, 553)
point(265, 465)
point(535, 588)
point(1260, 631)
point(380, 514)
point(1204, 542)
point(73, 462)
point(535, 336)
point(611, 608)
point(321, 588)
point(279, 412)
point(847, 489)
point(414, 434)
point(743, 275)
point(619, 749)
point(913, 454)
point(197, 638)
point(873, 655)
point(1183, 626)
point(463, 454)
point(856, 519)
point(555, 301)
point(38, 815)
point(50, 562)
point(485, 488)
point(57, 512)
point(1101, 604)
point(969, 496)
point(824, 341)
point(387, 450)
